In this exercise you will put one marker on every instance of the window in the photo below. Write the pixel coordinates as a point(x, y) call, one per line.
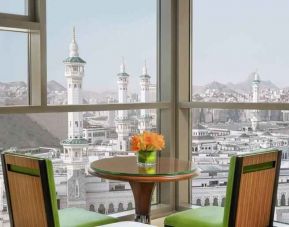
point(13, 7)
point(229, 132)
point(109, 45)
point(238, 63)
point(14, 71)
point(52, 132)
point(240, 46)
point(48, 135)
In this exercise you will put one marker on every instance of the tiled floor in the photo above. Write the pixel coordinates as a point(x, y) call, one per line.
point(158, 222)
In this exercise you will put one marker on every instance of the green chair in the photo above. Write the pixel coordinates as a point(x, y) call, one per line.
point(31, 196)
point(250, 197)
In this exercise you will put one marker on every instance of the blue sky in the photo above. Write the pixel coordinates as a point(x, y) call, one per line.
point(232, 38)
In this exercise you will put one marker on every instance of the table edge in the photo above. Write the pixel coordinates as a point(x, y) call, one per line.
point(145, 178)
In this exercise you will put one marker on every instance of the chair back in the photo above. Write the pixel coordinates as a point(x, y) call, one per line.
point(251, 190)
point(30, 191)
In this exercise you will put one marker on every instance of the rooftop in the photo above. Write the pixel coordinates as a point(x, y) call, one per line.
point(74, 141)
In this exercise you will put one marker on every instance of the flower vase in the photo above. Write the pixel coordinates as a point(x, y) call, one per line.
point(146, 158)
point(147, 170)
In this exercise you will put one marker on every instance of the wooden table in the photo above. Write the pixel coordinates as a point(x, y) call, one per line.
point(143, 179)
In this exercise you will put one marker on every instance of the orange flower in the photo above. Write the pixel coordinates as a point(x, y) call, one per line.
point(147, 141)
point(135, 143)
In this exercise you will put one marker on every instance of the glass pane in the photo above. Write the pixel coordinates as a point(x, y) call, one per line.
point(217, 134)
point(103, 51)
point(14, 68)
point(13, 7)
point(240, 51)
point(72, 141)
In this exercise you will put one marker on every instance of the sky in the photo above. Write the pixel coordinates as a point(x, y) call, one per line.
point(231, 39)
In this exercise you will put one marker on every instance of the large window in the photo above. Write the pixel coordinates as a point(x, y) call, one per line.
point(95, 136)
point(237, 43)
point(102, 61)
point(115, 50)
point(239, 60)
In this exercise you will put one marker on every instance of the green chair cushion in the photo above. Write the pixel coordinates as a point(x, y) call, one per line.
point(211, 216)
point(77, 217)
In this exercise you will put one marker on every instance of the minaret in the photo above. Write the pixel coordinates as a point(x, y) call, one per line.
point(256, 87)
point(145, 118)
point(111, 115)
point(74, 73)
point(75, 148)
point(122, 123)
point(256, 97)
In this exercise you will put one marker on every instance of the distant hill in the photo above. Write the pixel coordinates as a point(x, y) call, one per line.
point(18, 130)
point(219, 86)
point(13, 84)
point(214, 85)
point(54, 123)
point(246, 86)
point(55, 86)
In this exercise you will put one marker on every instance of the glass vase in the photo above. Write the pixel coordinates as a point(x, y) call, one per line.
point(146, 158)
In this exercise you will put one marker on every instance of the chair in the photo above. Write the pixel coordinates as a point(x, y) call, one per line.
point(31, 196)
point(250, 197)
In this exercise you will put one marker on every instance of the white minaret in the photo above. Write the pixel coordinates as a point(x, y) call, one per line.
point(145, 118)
point(256, 98)
point(111, 115)
point(75, 148)
point(74, 73)
point(256, 87)
point(122, 122)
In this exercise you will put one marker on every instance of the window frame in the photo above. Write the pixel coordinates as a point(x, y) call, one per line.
point(34, 24)
point(174, 81)
point(185, 104)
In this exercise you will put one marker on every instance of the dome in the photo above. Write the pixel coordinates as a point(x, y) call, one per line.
point(74, 60)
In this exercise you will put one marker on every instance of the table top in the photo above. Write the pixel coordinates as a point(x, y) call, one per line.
point(126, 168)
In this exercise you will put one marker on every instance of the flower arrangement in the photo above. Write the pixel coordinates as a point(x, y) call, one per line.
point(146, 145)
point(147, 141)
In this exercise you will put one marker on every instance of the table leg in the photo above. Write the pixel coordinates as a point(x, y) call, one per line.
point(142, 193)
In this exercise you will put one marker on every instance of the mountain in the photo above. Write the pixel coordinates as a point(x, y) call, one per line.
point(242, 87)
point(18, 130)
point(54, 123)
point(52, 85)
point(246, 86)
point(215, 85)
point(12, 84)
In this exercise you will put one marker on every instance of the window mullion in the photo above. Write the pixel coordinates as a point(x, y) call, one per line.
point(239, 105)
point(166, 69)
point(183, 125)
point(37, 56)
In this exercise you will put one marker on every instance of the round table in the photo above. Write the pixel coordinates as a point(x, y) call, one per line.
point(143, 179)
